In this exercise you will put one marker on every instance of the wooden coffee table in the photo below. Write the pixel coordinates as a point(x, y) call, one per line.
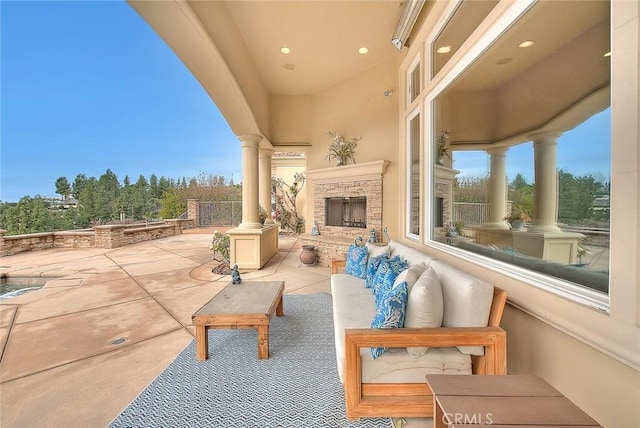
point(502, 401)
point(245, 305)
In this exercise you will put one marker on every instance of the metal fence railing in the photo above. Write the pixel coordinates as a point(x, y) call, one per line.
point(220, 213)
point(470, 213)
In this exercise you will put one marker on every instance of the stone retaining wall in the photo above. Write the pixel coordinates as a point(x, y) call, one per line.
point(107, 236)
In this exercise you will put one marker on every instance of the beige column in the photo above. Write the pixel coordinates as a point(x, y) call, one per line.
point(250, 217)
point(265, 182)
point(545, 197)
point(497, 189)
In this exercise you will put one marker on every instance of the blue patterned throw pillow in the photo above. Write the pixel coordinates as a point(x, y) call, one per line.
point(387, 274)
point(372, 267)
point(390, 312)
point(357, 261)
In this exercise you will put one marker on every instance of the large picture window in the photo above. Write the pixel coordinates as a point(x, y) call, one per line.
point(529, 142)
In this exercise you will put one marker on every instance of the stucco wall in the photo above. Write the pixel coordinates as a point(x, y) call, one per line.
point(606, 389)
point(355, 107)
point(590, 356)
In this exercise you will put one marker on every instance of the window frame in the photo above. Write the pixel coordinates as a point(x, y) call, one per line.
point(462, 60)
point(614, 333)
point(416, 112)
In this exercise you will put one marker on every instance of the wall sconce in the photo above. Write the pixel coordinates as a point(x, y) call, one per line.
point(407, 19)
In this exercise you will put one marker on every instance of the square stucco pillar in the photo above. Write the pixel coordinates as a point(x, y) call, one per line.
point(252, 244)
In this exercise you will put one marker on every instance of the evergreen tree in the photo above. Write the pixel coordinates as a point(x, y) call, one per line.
point(63, 188)
point(78, 185)
point(107, 192)
point(87, 200)
point(154, 188)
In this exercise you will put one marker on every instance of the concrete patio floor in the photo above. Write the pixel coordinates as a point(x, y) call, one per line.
point(60, 366)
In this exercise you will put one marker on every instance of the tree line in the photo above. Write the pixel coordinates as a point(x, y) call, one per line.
point(582, 200)
point(106, 200)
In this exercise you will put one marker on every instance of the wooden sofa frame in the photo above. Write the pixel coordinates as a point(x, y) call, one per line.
point(415, 399)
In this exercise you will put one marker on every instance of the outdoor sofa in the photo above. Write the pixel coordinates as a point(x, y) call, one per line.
point(450, 326)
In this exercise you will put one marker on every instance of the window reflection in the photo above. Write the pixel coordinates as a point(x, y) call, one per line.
point(535, 192)
point(414, 174)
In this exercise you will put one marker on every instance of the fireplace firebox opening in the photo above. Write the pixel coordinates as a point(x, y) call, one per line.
point(346, 212)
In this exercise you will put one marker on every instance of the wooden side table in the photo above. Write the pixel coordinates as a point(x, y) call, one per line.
point(237, 306)
point(501, 402)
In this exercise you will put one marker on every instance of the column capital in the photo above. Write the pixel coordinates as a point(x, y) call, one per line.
point(265, 153)
point(498, 151)
point(250, 140)
point(545, 136)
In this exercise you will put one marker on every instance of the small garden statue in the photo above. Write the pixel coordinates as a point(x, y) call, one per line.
point(235, 275)
point(314, 229)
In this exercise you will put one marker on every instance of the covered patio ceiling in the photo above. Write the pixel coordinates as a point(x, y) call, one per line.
point(234, 47)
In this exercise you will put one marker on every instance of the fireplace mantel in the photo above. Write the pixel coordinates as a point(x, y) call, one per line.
point(358, 171)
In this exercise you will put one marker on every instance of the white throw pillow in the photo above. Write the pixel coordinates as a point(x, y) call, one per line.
point(425, 307)
point(377, 250)
point(411, 275)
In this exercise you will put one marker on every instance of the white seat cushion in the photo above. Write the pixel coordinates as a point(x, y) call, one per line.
point(396, 366)
point(353, 307)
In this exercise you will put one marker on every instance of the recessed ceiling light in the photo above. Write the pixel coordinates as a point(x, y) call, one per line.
point(443, 49)
point(289, 66)
point(285, 50)
point(363, 51)
point(608, 53)
point(526, 44)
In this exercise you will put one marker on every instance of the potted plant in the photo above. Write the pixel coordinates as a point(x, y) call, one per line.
point(221, 248)
point(517, 219)
point(342, 149)
point(582, 251)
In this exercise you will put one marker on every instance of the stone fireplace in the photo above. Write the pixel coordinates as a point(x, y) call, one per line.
point(443, 199)
point(346, 212)
point(347, 203)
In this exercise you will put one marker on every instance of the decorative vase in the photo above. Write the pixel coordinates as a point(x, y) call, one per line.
point(308, 255)
point(440, 160)
point(341, 161)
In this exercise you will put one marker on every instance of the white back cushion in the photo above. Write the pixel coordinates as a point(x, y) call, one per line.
point(377, 250)
point(467, 301)
point(424, 306)
point(412, 255)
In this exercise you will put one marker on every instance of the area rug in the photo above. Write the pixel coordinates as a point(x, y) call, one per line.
point(298, 386)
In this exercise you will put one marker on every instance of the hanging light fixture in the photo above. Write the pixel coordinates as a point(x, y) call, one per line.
point(407, 19)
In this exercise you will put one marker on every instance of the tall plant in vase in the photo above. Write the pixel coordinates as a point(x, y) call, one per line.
point(342, 149)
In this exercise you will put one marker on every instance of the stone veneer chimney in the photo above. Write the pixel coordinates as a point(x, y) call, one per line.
point(363, 179)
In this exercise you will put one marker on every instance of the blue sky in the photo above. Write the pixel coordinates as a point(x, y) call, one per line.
point(88, 86)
